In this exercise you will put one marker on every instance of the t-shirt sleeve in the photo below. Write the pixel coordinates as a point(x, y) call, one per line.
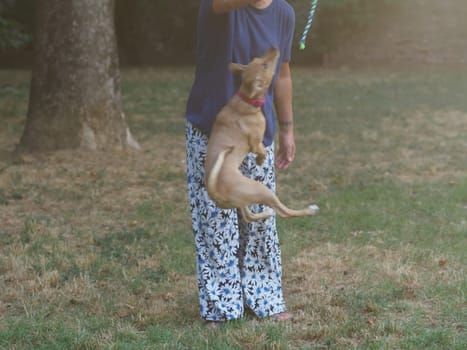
point(288, 33)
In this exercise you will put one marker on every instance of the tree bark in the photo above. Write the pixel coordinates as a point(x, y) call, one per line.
point(75, 98)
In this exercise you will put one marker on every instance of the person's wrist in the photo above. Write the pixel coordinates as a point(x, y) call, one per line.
point(285, 124)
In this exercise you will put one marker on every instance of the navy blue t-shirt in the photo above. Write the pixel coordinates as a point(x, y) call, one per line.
point(237, 36)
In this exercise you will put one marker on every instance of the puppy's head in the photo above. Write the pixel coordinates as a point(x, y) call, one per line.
point(258, 74)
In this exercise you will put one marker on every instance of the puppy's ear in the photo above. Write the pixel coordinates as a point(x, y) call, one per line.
point(236, 67)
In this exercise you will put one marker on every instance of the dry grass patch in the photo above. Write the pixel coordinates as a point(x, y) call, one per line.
point(353, 294)
point(70, 225)
point(427, 145)
point(420, 146)
point(95, 189)
point(96, 249)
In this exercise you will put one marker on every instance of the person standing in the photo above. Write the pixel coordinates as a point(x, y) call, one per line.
point(238, 263)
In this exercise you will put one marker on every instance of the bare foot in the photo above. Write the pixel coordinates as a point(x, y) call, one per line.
point(283, 316)
point(213, 325)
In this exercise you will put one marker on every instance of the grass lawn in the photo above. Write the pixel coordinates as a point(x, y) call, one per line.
point(96, 250)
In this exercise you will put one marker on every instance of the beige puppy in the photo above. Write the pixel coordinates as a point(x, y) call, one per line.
point(238, 130)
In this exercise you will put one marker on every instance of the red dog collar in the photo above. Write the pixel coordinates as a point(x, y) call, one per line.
point(252, 101)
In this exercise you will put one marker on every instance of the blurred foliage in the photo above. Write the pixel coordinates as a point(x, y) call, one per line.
point(16, 22)
point(11, 35)
point(335, 22)
point(156, 31)
point(152, 32)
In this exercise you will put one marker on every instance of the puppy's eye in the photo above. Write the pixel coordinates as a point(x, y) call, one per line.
point(265, 65)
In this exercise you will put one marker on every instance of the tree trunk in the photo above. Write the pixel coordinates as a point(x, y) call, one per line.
point(75, 98)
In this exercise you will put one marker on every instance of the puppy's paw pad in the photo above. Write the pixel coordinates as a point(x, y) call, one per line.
point(314, 208)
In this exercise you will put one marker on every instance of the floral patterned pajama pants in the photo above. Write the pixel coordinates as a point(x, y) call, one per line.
point(238, 264)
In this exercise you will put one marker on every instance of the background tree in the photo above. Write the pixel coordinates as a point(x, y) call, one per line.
point(75, 98)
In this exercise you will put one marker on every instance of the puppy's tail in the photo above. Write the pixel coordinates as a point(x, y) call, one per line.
point(211, 181)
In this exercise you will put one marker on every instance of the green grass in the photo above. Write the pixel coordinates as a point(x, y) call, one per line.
point(96, 250)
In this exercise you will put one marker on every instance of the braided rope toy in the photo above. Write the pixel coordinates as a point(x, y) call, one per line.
point(314, 5)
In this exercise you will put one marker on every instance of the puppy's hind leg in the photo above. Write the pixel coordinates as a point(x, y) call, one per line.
point(248, 216)
point(285, 212)
point(254, 192)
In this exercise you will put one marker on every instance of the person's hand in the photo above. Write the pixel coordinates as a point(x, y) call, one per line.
point(286, 151)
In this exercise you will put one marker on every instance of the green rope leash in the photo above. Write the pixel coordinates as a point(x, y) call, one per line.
point(314, 5)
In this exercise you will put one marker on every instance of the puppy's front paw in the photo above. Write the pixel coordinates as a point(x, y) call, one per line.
point(260, 159)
